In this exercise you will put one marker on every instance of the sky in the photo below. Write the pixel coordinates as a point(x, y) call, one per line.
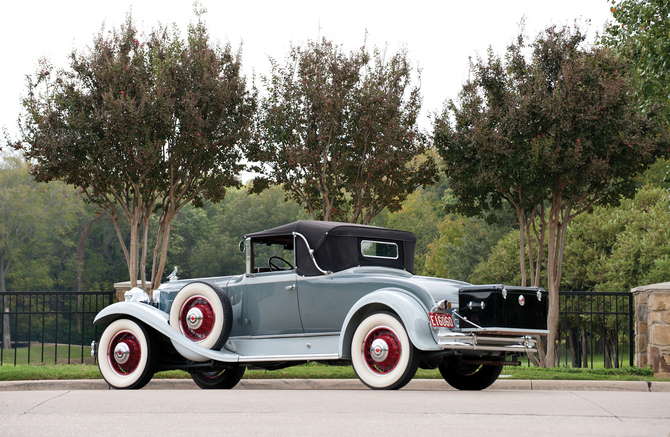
point(439, 35)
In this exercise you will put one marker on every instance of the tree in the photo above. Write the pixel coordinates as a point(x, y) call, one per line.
point(639, 33)
point(338, 132)
point(240, 213)
point(553, 135)
point(141, 125)
point(463, 243)
point(25, 220)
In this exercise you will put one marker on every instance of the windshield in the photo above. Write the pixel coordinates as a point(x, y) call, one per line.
point(272, 254)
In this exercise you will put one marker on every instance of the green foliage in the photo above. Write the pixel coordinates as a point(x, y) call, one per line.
point(420, 214)
point(338, 132)
point(463, 244)
point(609, 249)
point(639, 33)
point(563, 121)
point(33, 239)
point(143, 125)
point(502, 265)
point(641, 253)
point(211, 248)
point(553, 126)
point(657, 175)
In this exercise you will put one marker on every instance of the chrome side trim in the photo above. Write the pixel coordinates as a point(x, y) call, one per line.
point(300, 335)
point(313, 357)
point(506, 331)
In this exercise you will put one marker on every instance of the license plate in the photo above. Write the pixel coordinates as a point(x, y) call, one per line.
point(441, 320)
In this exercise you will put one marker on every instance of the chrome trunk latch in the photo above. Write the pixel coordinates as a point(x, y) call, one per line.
point(472, 305)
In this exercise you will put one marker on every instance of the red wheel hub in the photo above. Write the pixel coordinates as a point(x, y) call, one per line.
point(381, 350)
point(197, 318)
point(124, 353)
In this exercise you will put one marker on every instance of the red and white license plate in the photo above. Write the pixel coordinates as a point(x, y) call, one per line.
point(441, 320)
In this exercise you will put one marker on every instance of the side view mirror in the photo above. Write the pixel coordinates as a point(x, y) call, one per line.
point(242, 248)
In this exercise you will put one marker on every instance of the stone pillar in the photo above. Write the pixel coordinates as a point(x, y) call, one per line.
point(122, 287)
point(652, 328)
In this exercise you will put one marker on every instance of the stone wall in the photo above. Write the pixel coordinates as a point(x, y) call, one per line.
point(652, 328)
point(122, 287)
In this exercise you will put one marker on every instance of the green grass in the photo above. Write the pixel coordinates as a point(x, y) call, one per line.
point(52, 354)
point(317, 371)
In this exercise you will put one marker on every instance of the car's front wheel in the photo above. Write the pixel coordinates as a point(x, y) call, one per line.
point(222, 379)
point(126, 357)
point(382, 354)
point(470, 377)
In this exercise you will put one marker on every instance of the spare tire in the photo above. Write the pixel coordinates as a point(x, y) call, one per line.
point(203, 313)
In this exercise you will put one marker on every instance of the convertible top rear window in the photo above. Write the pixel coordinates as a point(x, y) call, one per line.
point(379, 249)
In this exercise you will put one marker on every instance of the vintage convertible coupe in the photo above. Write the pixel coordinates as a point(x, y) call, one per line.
point(334, 293)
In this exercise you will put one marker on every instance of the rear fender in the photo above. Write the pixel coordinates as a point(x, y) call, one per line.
point(412, 312)
point(159, 321)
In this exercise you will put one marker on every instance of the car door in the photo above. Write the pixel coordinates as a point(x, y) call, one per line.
point(271, 304)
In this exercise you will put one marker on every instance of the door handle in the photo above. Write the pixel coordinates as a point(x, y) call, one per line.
point(290, 287)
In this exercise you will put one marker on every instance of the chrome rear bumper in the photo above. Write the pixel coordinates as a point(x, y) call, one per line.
point(478, 342)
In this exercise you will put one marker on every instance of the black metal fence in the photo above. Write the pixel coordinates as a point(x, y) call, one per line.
point(49, 326)
point(58, 327)
point(595, 324)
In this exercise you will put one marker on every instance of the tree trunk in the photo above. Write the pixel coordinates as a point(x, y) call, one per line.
point(610, 343)
point(522, 251)
point(83, 238)
point(573, 343)
point(6, 337)
point(79, 257)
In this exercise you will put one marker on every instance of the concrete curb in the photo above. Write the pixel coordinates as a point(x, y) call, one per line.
point(345, 384)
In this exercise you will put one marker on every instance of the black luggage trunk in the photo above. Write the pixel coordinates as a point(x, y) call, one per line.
point(503, 306)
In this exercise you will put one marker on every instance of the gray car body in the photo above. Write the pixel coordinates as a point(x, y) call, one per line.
point(313, 319)
point(310, 313)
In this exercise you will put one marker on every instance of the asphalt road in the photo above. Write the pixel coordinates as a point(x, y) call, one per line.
point(277, 412)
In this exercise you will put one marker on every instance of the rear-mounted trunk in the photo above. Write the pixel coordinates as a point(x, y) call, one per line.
point(504, 307)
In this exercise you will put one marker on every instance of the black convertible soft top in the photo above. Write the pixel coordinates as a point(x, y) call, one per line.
point(337, 246)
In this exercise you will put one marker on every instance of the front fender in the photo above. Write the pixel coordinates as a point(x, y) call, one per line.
point(159, 321)
point(412, 312)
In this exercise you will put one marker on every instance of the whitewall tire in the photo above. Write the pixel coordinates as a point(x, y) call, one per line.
point(202, 312)
point(125, 355)
point(382, 354)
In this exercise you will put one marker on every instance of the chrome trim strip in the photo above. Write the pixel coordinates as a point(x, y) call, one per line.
point(301, 335)
point(520, 331)
point(313, 357)
point(465, 319)
point(380, 242)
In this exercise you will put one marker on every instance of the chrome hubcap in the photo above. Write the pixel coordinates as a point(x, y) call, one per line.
point(379, 350)
point(194, 318)
point(121, 353)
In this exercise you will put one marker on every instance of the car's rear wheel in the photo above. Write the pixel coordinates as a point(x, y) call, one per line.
point(222, 379)
point(464, 376)
point(382, 354)
point(203, 313)
point(126, 355)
